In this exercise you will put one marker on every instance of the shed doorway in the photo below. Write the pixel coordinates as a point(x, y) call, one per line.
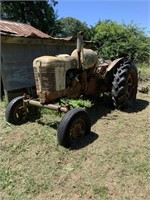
point(1, 91)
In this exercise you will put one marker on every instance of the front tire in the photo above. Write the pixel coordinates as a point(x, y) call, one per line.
point(16, 113)
point(124, 86)
point(75, 123)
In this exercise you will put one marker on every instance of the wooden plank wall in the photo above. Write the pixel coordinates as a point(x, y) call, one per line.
point(17, 59)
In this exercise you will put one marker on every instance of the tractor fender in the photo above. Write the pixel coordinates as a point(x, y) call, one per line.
point(113, 64)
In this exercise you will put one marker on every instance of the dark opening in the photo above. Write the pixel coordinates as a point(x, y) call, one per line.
point(1, 91)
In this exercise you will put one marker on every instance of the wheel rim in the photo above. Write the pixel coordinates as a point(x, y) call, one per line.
point(130, 86)
point(19, 113)
point(77, 128)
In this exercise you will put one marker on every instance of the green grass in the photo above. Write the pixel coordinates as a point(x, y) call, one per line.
point(101, 192)
point(112, 163)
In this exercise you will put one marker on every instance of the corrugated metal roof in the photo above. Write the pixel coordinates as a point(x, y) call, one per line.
point(20, 29)
point(23, 30)
point(16, 29)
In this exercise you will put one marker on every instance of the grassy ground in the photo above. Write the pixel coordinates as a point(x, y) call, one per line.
point(112, 163)
point(144, 70)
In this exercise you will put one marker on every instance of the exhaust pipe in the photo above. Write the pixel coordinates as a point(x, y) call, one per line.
point(79, 47)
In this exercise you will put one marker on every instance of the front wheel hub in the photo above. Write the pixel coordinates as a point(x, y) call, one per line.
point(77, 128)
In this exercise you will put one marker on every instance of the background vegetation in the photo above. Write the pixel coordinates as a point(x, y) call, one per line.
point(40, 14)
point(121, 40)
point(110, 39)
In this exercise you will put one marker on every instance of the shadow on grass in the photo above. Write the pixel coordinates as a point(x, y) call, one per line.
point(84, 141)
point(100, 108)
point(139, 105)
point(53, 125)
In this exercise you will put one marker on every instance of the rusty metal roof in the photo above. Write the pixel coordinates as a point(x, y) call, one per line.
point(20, 29)
point(12, 28)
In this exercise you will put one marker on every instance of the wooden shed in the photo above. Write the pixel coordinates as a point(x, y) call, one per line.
point(20, 45)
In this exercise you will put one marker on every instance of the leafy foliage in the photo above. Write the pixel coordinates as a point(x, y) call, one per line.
point(39, 14)
point(112, 40)
point(71, 26)
point(76, 103)
point(115, 40)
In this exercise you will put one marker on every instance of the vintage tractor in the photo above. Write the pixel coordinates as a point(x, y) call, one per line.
point(70, 76)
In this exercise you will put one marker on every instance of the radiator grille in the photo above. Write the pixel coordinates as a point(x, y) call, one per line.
point(48, 83)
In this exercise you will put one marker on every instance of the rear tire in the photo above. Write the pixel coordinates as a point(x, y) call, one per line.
point(124, 86)
point(75, 123)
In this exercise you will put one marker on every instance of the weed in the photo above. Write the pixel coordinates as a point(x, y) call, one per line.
point(33, 187)
point(21, 147)
point(143, 169)
point(76, 103)
point(100, 192)
point(8, 178)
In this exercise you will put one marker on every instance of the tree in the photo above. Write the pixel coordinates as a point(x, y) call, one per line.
point(71, 26)
point(114, 40)
point(39, 14)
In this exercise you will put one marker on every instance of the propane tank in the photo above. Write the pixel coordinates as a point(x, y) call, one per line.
point(88, 59)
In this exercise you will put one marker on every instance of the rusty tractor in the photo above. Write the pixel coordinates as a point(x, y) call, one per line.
point(70, 76)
